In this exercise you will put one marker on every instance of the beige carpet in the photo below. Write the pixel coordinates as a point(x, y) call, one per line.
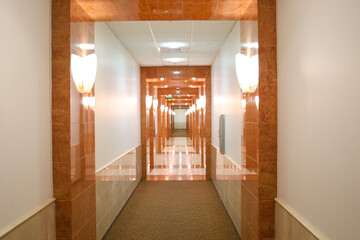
point(173, 210)
point(179, 133)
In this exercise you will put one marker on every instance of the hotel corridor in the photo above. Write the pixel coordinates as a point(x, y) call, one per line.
point(179, 119)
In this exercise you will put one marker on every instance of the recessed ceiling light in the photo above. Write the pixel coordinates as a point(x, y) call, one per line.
point(194, 78)
point(173, 45)
point(176, 72)
point(165, 86)
point(175, 59)
point(162, 79)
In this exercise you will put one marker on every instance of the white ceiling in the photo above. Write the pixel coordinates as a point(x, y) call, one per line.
point(202, 40)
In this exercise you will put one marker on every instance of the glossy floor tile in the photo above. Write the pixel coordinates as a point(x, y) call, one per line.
point(178, 161)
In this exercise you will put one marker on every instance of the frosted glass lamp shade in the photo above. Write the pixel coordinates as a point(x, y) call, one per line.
point(247, 71)
point(83, 70)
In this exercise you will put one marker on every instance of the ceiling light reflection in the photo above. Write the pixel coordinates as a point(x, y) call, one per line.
point(173, 45)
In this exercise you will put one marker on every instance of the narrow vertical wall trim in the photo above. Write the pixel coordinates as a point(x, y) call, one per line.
point(143, 121)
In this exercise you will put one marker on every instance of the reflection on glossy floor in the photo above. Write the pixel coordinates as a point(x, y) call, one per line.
point(178, 161)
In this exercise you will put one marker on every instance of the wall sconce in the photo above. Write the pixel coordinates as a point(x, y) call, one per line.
point(83, 70)
point(173, 113)
point(148, 101)
point(198, 104)
point(247, 71)
point(166, 109)
point(155, 104)
point(162, 108)
point(202, 102)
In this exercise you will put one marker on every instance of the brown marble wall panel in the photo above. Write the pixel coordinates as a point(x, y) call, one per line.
point(250, 144)
point(145, 10)
point(250, 208)
point(268, 117)
point(143, 92)
point(207, 72)
point(73, 130)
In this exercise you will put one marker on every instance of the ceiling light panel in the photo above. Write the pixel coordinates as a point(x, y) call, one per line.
point(170, 59)
point(173, 45)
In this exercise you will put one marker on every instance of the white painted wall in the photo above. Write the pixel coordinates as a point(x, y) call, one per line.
point(25, 101)
point(226, 96)
point(180, 119)
point(319, 113)
point(117, 93)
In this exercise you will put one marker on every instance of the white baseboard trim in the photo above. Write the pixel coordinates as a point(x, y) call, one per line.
point(25, 217)
point(301, 220)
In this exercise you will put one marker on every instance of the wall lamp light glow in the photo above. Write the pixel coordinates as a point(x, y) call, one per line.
point(247, 71)
point(257, 101)
point(83, 70)
point(202, 100)
point(148, 101)
point(88, 102)
point(155, 103)
point(198, 104)
point(243, 104)
point(166, 109)
point(162, 108)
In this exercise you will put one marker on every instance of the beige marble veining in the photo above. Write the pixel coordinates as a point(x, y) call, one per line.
point(40, 226)
point(288, 227)
point(227, 185)
point(114, 185)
